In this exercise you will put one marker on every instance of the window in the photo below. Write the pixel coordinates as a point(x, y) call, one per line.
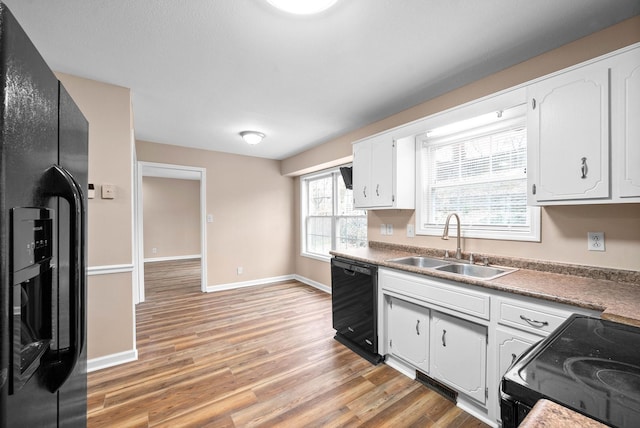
point(328, 219)
point(478, 169)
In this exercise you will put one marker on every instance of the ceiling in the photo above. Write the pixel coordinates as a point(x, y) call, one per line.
point(201, 71)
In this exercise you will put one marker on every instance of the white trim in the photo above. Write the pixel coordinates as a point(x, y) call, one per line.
point(109, 269)
point(265, 281)
point(312, 283)
point(178, 172)
point(111, 360)
point(234, 285)
point(171, 258)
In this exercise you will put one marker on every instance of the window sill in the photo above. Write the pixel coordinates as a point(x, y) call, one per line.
point(318, 257)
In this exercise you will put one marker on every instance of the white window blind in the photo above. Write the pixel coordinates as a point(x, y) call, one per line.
point(480, 174)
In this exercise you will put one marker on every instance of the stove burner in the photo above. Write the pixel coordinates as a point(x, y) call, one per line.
point(619, 380)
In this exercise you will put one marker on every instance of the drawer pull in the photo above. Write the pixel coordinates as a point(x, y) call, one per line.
point(444, 343)
point(534, 323)
point(418, 327)
point(513, 358)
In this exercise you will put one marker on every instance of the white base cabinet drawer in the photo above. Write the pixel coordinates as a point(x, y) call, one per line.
point(530, 317)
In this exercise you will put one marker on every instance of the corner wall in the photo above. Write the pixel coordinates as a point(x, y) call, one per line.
point(252, 207)
point(110, 311)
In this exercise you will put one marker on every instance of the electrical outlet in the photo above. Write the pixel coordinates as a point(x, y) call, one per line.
point(411, 232)
point(595, 241)
point(383, 229)
point(154, 250)
point(240, 270)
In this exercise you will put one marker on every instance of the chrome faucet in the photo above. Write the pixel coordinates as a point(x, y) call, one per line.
point(445, 234)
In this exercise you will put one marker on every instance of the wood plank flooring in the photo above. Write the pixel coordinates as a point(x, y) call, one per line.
point(260, 356)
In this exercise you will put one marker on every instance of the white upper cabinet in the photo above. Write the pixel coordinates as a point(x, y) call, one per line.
point(583, 134)
point(384, 173)
point(625, 132)
point(568, 136)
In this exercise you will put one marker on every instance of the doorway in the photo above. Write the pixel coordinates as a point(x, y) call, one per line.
point(158, 170)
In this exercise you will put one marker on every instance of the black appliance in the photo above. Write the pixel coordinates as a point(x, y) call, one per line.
point(43, 179)
point(354, 287)
point(347, 176)
point(589, 365)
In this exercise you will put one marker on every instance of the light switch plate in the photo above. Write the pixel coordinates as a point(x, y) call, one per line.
point(383, 229)
point(108, 191)
point(595, 241)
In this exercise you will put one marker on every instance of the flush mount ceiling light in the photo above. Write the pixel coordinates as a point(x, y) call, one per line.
point(252, 137)
point(302, 7)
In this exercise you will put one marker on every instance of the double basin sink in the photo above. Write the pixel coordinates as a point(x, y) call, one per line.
point(458, 268)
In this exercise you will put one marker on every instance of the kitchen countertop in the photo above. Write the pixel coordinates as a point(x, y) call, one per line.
point(614, 292)
point(551, 415)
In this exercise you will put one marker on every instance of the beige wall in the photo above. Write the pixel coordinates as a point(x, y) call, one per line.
point(171, 217)
point(110, 304)
point(564, 229)
point(252, 206)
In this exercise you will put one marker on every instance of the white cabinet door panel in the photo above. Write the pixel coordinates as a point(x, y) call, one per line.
point(568, 135)
point(408, 332)
point(625, 80)
point(459, 354)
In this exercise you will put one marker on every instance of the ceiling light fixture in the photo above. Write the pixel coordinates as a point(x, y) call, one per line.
point(305, 7)
point(252, 137)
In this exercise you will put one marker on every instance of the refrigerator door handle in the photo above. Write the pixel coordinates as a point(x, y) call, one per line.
point(58, 182)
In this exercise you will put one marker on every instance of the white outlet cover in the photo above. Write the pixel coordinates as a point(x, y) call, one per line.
point(595, 241)
point(383, 229)
point(411, 232)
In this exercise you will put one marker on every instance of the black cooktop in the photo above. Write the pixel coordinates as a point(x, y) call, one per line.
point(589, 365)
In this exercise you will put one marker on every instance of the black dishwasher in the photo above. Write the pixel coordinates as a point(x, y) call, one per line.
point(354, 299)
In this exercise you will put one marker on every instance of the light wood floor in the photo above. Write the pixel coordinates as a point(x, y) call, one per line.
point(256, 356)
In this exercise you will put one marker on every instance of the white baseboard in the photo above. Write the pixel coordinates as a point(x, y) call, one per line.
point(112, 360)
point(234, 285)
point(312, 283)
point(108, 270)
point(171, 258)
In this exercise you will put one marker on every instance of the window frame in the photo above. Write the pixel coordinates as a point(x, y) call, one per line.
point(499, 102)
point(333, 172)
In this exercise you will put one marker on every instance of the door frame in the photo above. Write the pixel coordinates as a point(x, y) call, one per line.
point(181, 172)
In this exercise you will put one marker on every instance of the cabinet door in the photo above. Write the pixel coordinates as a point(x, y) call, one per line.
point(362, 174)
point(408, 332)
point(510, 346)
point(625, 80)
point(382, 160)
point(459, 354)
point(568, 136)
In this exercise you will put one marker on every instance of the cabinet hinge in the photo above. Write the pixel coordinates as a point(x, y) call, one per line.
point(390, 343)
point(393, 198)
point(486, 392)
point(487, 337)
point(393, 143)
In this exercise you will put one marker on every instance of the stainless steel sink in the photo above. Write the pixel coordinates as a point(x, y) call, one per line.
point(475, 271)
point(419, 261)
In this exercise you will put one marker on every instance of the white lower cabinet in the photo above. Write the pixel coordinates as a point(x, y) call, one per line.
point(511, 344)
point(459, 354)
point(408, 332)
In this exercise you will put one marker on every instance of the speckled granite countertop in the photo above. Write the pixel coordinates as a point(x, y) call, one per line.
point(614, 292)
point(548, 414)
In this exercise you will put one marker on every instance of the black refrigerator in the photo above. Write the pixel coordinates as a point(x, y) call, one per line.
point(43, 180)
